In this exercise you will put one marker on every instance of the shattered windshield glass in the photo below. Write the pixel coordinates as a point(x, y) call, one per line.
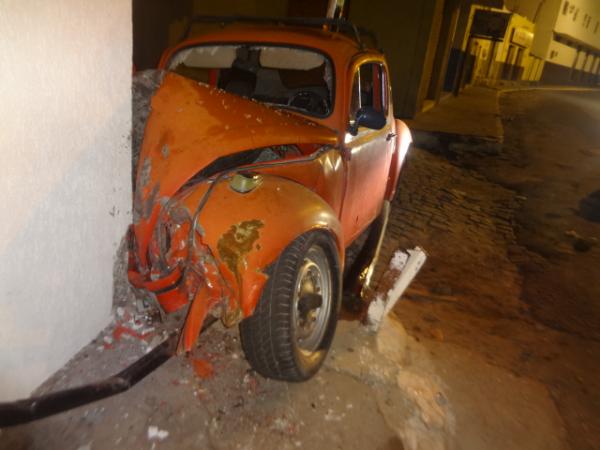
point(293, 78)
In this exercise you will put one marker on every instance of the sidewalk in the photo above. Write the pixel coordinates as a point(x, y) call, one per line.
point(475, 113)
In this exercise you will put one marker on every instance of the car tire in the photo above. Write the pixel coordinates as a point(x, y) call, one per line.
point(289, 334)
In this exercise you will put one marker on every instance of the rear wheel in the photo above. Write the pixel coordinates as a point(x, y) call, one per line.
point(290, 332)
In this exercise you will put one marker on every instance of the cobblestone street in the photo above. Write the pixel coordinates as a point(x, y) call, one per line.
point(490, 246)
point(452, 213)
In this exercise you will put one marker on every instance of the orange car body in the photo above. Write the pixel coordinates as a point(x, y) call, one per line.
point(207, 245)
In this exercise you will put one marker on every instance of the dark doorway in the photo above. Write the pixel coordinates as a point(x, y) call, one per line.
point(153, 22)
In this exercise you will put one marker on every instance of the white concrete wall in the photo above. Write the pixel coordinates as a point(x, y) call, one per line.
point(65, 76)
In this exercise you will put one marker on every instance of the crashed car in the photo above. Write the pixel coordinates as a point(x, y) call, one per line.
point(266, 151)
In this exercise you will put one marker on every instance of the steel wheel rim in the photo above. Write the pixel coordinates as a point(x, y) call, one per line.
point(314, 277)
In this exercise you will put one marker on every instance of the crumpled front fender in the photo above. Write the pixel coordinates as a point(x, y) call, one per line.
point(242, 234)
point(246, 232)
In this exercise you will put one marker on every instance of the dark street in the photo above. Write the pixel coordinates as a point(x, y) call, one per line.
point(525, 302)
point(553, 142)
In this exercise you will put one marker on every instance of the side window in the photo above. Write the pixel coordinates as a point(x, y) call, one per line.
point(385, 90)
point(369, 88)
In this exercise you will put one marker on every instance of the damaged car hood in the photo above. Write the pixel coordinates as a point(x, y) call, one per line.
point(192, 124)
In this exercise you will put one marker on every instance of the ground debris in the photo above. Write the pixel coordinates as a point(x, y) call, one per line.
point(203, 368)
point(155, 433)
point(119, 331)
point(581, 243)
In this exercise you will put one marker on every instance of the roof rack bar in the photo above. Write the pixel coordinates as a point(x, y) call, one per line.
point(341, 25)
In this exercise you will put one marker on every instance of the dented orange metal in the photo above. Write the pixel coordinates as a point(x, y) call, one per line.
point(208, 245)
point(192, 124)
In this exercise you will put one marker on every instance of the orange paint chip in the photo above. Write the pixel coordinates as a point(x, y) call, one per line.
point(120, 330)
point(203, 368)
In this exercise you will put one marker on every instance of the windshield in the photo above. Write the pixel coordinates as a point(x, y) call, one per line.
point(289, 77)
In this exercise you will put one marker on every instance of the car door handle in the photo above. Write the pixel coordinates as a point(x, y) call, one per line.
point(390, 136)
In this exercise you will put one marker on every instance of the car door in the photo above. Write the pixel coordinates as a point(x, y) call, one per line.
point(368, 152)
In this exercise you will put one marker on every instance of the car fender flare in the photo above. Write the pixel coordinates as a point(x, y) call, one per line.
point(246, 232)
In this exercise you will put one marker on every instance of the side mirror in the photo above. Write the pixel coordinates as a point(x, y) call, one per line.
point(368, 117)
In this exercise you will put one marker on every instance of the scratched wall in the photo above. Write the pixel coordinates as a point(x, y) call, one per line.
point(65, 77)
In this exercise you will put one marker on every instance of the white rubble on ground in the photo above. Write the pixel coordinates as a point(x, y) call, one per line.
point(156, 433)
point(405, 265)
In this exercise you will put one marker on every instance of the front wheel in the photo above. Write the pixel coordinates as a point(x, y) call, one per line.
point(290, 332)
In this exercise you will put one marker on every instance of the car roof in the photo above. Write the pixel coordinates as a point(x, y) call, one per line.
point(336, 45)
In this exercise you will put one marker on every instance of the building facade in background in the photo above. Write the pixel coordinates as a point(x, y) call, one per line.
point(438, 47)
point(550, 42)
point(498, 47)
point(568, 39)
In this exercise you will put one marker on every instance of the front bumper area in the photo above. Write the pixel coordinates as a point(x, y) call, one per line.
point(171, 291)
point(194, 283)
point(173, 287)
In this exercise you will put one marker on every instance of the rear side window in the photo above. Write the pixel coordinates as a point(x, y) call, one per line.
point(369, 89)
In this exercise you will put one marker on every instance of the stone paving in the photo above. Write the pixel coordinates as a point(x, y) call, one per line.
point(506, 287)
point(454, 214)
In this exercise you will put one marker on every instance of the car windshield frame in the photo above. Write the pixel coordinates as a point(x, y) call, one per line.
point(302, 111)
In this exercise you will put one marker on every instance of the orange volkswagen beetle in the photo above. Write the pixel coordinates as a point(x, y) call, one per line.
point(268, 147)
